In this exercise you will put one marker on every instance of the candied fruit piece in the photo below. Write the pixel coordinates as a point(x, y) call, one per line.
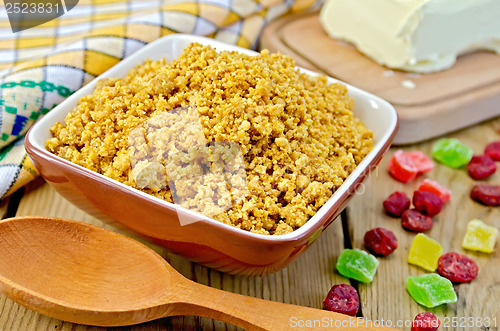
point(486, 194)
point(431, 290)
point(357, 264)
point(401, 167)
point(493, 150)
point(480, 237)
point(421, 161)
point(425, 322)
point(429, 185)
point(396, 203)
point(404, 166)
point(342, 298)
point(380, 241)
point(481, 167)
point(425, 252)
point(451, 152)
point(427, 203)
point(413, 220)
point(457, 267)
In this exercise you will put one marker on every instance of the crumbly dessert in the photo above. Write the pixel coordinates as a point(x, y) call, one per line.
point(246, 140)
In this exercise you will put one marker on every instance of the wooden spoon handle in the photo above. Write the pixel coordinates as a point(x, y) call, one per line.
point(258, 314)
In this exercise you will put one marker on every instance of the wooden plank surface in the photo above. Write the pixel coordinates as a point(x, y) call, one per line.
point(4, 204)
point(387, 297)
point(465, 94)
point(305, 282)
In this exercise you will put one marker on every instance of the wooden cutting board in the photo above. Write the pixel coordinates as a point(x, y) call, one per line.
point(428, 105)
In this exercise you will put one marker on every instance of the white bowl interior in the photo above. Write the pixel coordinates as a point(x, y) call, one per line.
point(377, 114)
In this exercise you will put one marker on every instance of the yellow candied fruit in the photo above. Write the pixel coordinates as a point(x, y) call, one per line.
point(425, 252)
point(480, 237)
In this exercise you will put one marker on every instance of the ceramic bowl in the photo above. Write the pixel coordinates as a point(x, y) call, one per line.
point(202, 240)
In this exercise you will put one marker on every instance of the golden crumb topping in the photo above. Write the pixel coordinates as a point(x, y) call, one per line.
point(247, 140)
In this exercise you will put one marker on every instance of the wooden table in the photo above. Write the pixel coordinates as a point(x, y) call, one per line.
point(307, 281)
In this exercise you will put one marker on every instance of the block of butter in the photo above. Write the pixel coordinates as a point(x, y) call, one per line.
point(414, 35)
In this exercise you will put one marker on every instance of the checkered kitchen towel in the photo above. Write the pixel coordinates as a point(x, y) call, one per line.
point(41, 66)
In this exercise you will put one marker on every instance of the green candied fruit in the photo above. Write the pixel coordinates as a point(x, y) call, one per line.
point(431, 290)
point(357, 264)
point(451, 152)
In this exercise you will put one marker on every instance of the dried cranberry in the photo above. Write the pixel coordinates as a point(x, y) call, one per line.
point(380, 241)
point(427, 203)
point(493, 150)
point(413, 220)
point(457, 267)
point(425, 322)
point(486, 194)
point(342, 298)
point(397, 203)
point(481, 167)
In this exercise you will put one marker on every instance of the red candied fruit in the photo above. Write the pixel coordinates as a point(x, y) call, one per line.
point(481, 167)
point(401, 167)
point(342, 298)
point(430, 185)
point(380, 241)
point(396, 203)
point(427, 203)
point(493, 150)
point(421, 161)
point(425, 322)
point(404, 166)
point(413, 220)
point(457, 268)
point(486, 194)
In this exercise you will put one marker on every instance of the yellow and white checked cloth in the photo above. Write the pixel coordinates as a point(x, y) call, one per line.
point(41, 66)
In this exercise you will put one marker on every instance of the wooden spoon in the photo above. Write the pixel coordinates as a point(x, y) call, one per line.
point(85, 274)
